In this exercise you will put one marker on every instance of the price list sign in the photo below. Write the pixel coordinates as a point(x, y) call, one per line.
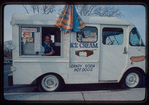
point(37, 41)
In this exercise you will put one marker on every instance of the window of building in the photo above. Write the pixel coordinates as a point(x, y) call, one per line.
point(135, 38)
point(33, 37)
point(88, 34)
point(112, 36)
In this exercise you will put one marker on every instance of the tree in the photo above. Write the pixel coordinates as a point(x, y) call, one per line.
point(96, 10)
point(40, 9)
point(7, 50)
point(83, 10)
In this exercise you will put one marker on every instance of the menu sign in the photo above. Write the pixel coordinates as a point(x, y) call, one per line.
point(29, 30)
point(37, 41)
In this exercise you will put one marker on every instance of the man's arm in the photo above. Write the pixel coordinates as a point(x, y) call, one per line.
point(50, 53)
point(47, 54)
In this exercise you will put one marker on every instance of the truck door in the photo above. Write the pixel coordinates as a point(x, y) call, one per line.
point(84, 56)
point(113, 51)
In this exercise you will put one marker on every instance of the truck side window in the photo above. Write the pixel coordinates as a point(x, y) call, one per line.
point(30, 40)
point(88, 34)
point(112, 36)
point(134, 38)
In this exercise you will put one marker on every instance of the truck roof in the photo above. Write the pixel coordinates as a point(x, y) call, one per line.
point(43, 19)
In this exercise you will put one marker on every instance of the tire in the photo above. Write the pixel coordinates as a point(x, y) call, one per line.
point(131, 79)
point(50, 83)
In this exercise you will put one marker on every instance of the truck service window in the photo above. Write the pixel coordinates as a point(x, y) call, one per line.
point(30, 40)
point(112, 36)
point(87, 34)
point(55, 42)
point(135, 39)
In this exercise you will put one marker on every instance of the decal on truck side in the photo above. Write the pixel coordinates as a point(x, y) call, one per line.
point(85, 53)
point(81, 68)
point(83, 45)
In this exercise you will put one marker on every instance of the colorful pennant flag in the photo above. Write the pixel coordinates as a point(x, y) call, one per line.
point(69, 19)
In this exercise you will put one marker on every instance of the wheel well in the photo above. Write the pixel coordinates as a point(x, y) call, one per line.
point(134, 68)
point(138, 69)
point(36, 81)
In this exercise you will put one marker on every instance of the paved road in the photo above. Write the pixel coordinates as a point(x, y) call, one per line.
point(137, 94)
point(83, 92)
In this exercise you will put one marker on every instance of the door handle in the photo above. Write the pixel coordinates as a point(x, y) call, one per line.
point(125, 50)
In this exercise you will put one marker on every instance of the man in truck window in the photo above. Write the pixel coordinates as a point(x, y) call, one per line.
point(46, 48)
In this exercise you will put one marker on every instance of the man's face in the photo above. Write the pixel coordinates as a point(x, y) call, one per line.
point(47, 39)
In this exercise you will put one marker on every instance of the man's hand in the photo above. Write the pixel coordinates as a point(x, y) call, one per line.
point(47, 54)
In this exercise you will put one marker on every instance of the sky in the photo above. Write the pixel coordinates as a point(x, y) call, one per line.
point(135, 14)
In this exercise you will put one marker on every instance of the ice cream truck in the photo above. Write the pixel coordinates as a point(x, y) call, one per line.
point(107, 50)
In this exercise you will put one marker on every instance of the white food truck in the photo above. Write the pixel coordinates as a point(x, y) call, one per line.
point(107, 50)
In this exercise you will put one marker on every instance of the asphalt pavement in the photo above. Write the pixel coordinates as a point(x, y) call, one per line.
point(136, 94)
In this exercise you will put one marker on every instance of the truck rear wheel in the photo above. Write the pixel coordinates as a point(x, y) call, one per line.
point(50, 83)
point(131, 79)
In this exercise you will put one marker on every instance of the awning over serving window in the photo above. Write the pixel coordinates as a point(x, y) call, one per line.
point(69, 19)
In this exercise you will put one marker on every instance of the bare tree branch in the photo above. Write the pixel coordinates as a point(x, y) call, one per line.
point(25, 8)
point(33, 8)
point(83, 10)
point(88, 10)
point(37, 8)
point(91, 10)
point(43, 9)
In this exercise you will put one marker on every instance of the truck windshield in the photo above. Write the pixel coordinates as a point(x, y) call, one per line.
point(135, 38)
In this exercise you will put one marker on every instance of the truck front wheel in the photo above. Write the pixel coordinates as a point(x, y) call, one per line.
point(131, 79)
point(50, 83)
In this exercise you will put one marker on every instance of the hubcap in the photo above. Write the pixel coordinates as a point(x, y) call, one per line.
point(50, 83)
point(132, 80)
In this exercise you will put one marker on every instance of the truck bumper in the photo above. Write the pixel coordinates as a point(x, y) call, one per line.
point(10, 79)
